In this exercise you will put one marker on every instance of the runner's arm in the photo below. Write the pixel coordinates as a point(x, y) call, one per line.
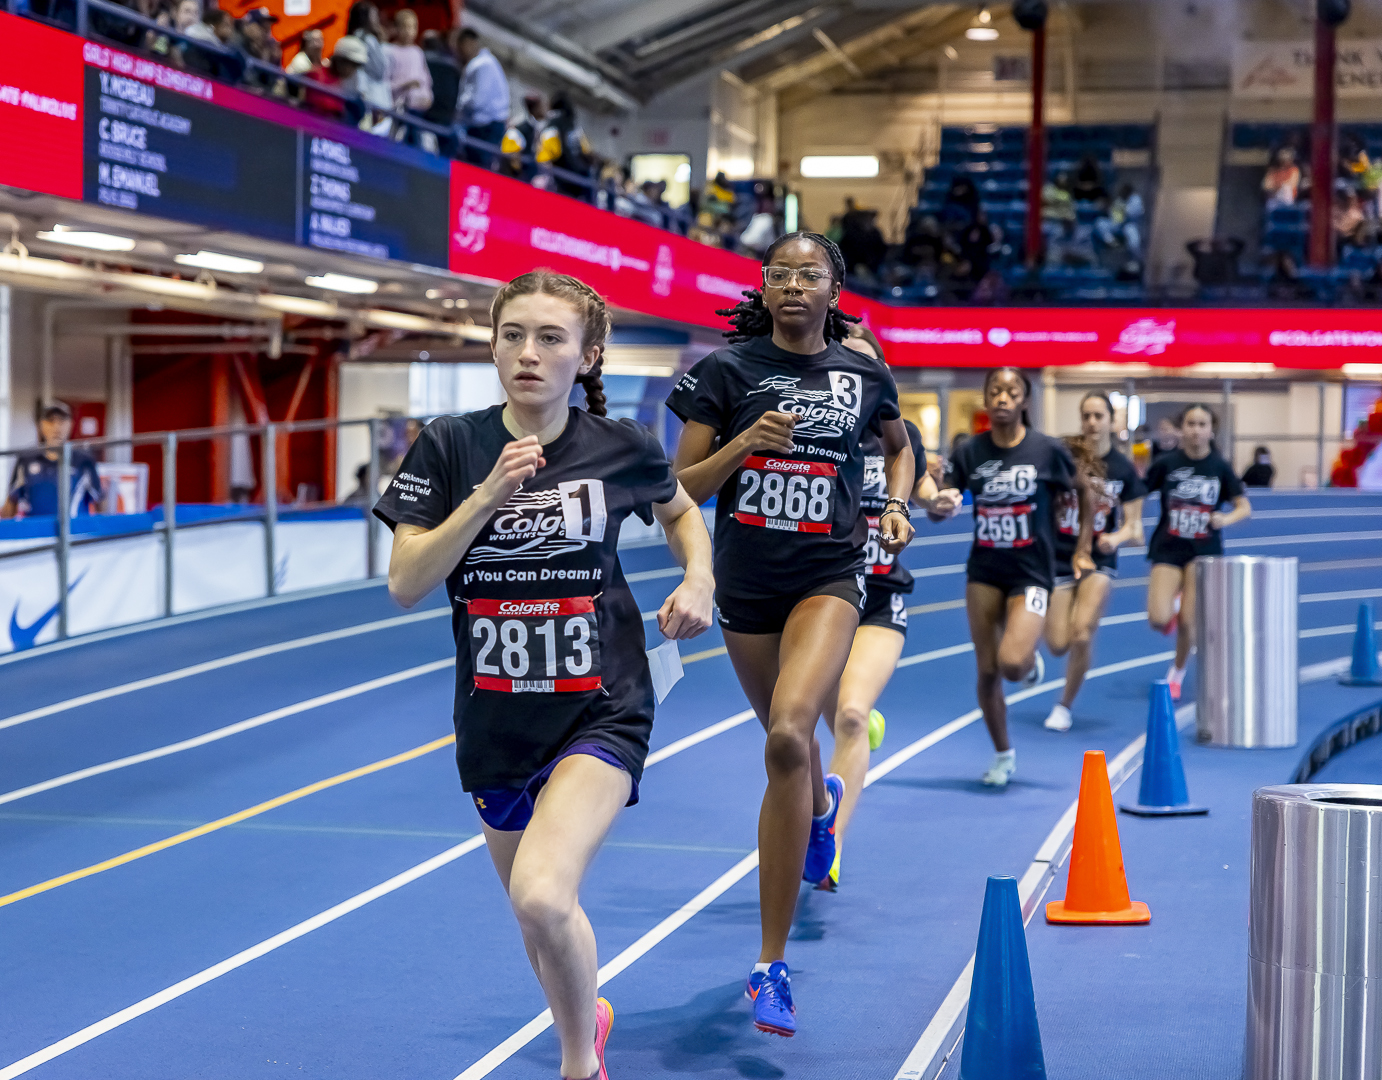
point(1082, 561)
point(1242, 510)
point(690, 608)
point(703, 470)
point(421, 558)
point(899, 464)
point(1130, 532)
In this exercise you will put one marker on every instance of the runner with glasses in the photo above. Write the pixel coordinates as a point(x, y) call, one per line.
point(775, 424)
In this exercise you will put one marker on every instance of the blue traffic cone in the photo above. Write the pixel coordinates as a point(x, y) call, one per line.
point(1163, 792)
point(1364, 671)
point(1002, 1040)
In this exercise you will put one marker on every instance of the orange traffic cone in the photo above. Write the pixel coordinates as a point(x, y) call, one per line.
point(1097, 891)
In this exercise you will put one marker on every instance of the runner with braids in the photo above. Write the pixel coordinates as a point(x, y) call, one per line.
point(1077, 606)
point(554, 700)
point(775, 425)
point(1016, 475)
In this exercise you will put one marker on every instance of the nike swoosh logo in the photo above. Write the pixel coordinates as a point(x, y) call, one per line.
point(23, 637)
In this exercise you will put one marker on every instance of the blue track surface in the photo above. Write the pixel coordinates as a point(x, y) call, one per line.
point(429, 978)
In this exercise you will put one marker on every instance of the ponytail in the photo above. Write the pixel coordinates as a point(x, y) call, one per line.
point(594, 387)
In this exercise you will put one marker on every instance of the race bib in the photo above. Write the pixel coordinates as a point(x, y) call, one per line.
point(876, 560)
point(535, 646)
point(1188, 520)
point(1003, 526)
point(780, 493)
point(1068, 514)
point(1034, 599)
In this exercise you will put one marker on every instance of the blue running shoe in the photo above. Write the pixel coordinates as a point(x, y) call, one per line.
point(820, 851)
point(771, 994)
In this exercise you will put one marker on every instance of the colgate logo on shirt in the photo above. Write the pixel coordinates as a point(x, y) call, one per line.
point(777, 465)
point(541, 607)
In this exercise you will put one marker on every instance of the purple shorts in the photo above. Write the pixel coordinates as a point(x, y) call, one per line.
point(509, 809)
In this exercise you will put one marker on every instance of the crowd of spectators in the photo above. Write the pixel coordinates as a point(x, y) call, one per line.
point(1356, 193)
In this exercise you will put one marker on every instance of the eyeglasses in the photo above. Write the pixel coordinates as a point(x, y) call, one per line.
point(808, 278)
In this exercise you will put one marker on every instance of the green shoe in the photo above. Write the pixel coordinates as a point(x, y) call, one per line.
point(832, 880)
point(877, 727)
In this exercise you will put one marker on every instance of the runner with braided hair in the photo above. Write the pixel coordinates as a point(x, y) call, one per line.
point(775, 426)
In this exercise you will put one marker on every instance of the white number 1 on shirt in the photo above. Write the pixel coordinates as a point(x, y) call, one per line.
point(583, 508)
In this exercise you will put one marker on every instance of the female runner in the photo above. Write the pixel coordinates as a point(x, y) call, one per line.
point(857, 727)
point(1077, 606)
point(1016, 475)
point(774, 424)
point(518, 509)
point(1194, 482)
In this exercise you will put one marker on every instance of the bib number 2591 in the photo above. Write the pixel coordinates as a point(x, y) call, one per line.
point(535, 646)
point(1003, 526)
point(779, 493)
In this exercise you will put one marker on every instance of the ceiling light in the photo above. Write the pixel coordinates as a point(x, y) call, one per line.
point(432, 294)
point(214, 260)
point(839, 165)
point(1363, 369)
point(952, 53)
point(984, 16)
point(63, 234)
point(343, 283)
point(981, 33)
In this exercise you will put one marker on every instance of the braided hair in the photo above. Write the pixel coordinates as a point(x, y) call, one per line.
point(750, 318)
point(589, 305)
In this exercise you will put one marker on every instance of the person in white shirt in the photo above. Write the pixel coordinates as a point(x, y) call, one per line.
point(309, 57)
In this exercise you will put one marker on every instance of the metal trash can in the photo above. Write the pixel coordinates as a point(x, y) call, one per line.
point(1315, 934)
point(1246, 638)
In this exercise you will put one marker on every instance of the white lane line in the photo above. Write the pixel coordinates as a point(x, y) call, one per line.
point(653, 575)
point(1349, 594)
point(240, 959)
point(228, 730)
point(540, 1023)
point(148, 1004)
point(221, 662)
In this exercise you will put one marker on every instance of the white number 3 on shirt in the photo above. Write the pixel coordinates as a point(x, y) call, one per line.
point(583, 508)
point(847, 389)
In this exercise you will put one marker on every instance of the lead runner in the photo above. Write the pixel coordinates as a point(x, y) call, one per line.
point(518, 508)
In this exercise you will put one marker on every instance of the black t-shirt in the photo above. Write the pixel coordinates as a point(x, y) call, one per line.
point(885, 571)
point(787, 523)
point(1014, 500)
point(549, 639)
point(1120, 485)
point(1190, 491)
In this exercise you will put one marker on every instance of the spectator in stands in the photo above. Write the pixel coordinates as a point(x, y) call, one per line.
point(361, 496)
point(482, 110)
point(1282, 180)
point(349, 57)
point(372, 78)
point(971, 246)
point(186, 15)
point(33, 490)
point(862, 243)
point(1071, 247)
point(1261, 472)
point(961, 205)
point(563, 144)
point(1057, 204)
point(1089, 181)
point(1127, 213)
point(409, 78)
point(309, 57)
point(762, 228)
point(922, 247)
point(521, 139)
point(216, 28)
point(445, 74)
point(1216, 260)
point(256, 36)
point(1347, 216)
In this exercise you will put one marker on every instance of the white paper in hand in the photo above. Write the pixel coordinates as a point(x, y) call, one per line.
point(665, 664)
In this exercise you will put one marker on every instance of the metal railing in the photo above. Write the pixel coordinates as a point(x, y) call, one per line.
point(269, 435)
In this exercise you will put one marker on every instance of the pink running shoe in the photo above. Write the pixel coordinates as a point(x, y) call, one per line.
point(604, 1024)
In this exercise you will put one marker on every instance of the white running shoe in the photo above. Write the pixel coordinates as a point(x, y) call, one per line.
point(1002, 769)
point(1059, 720)
point(1037, 674)
point(1175, 676)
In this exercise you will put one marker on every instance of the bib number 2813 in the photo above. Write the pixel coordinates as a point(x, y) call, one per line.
point(535, 646)
point(779, 493)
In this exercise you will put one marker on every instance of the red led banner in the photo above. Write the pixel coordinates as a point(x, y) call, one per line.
point(40, 108)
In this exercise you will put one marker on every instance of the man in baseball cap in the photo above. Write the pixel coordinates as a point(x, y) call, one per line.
point(33, 490)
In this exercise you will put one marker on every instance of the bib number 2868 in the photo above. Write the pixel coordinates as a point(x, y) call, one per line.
point(535, 646)
point(779, 493)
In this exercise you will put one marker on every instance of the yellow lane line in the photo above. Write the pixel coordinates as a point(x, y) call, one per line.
point(232, 819)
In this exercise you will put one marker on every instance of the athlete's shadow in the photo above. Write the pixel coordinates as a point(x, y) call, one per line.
point(709, 1035)
point(808, 923)
point(974, 787)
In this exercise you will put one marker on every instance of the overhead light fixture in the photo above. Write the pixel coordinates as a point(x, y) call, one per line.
point(952, 53)
point(432, 294)
point(982, 33)
point(64, 234)
point(839, 166)
point(984, 16)
point(1363, 369)
point(214, 260)
point(343, 283)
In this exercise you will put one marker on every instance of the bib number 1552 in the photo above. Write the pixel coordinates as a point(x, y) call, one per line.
point(535, 646)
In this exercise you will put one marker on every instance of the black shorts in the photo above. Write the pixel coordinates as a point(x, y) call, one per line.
point(1020, 583)
point(768, 615)
point(509, 809)
point(885, 607)
point(1065, 573)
